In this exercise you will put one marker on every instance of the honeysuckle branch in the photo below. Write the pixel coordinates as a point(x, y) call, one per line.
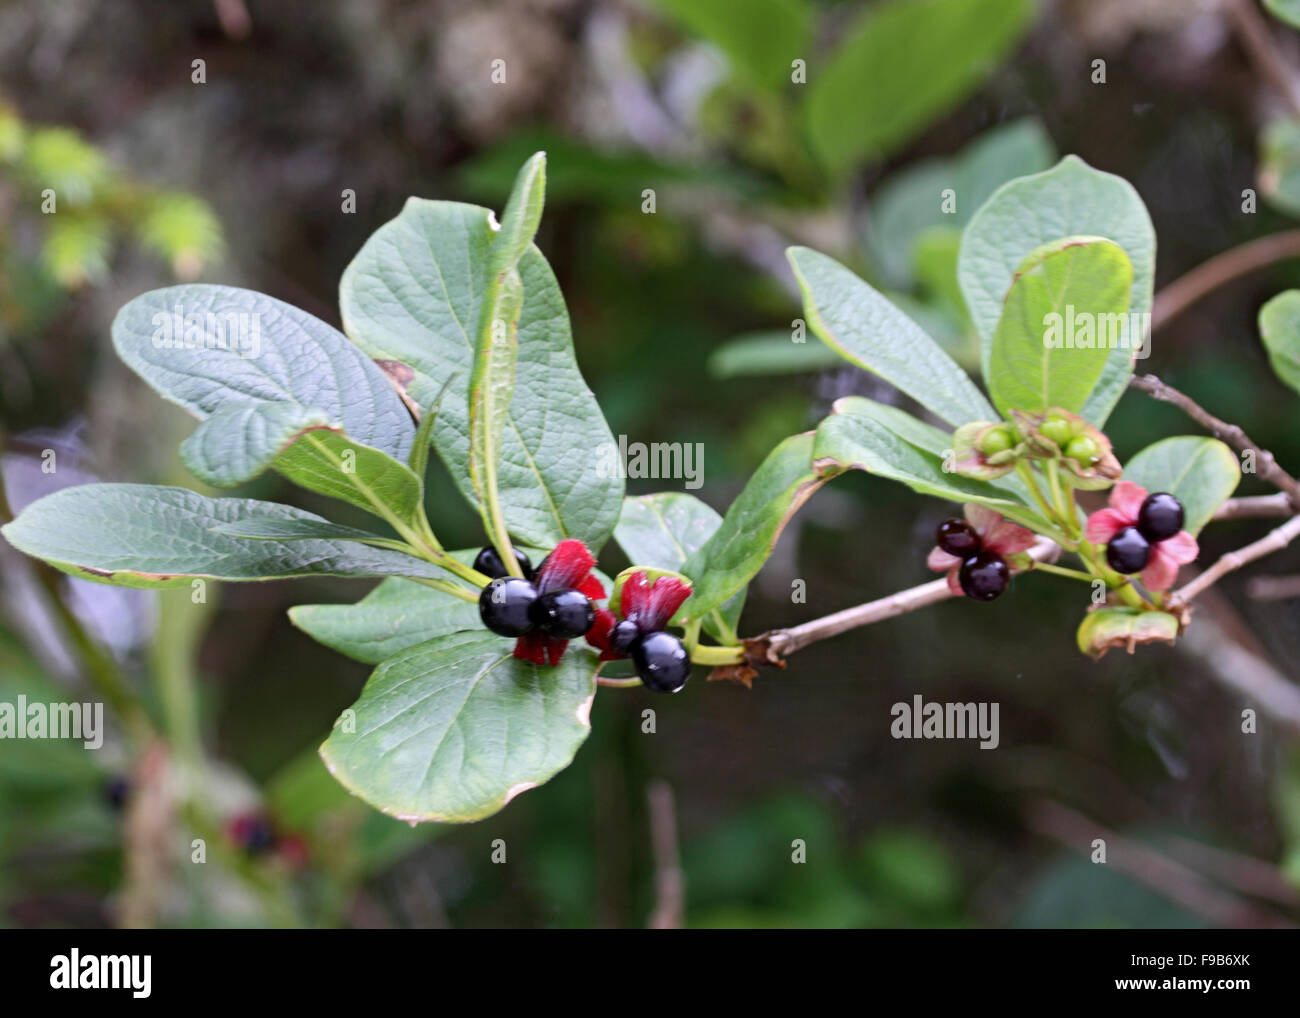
point(1256, 38)
point(774, 646)
point(1273, 588)
point(1167, 877)
point(1266, 466)
point(1254, 506)
point(1216, 643)
point(1220, 270)
point(1274, 540)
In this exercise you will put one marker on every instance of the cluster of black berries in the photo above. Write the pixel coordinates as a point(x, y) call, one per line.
point(1159, 518)
point(983, 574)
point(512, 606)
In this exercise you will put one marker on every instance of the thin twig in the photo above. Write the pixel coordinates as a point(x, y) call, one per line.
point(1273, 588)
point(1254, 506)
point(1274, 540)
point(1218, 642)
point(781, 642)
point(670, 883)
point(1223, 268)
point(1253, 31)
point(1147, 865)
point(1266, 466)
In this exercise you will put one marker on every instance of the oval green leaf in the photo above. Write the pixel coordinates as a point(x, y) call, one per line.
point(1201, 472)
point(1071, 199)
point(454, 728)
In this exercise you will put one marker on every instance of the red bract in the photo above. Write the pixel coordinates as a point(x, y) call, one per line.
point(1126, 500)
point(998, 535)
point(650, 606)
point(568, 567)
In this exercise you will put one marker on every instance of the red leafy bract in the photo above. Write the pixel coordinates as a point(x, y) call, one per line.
point(649, 605)
point(568, 567)
point(1126, 500)
point(997, 534)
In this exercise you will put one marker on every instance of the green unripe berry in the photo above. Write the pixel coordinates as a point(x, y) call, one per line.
point(1083, 449)
point(996, 440)
point(1058, 430)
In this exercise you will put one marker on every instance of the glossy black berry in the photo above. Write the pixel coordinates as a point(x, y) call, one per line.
point(564, 614)
point(117, 791)
point(984, 576)
point(662, 662)
point(257, 836)
point(503, 606)
point(624, 635)
point(1160, 517)
point(1128, 551)
point(489, 563)
point(957, 537)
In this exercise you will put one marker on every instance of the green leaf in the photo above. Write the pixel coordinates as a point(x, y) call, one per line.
point(1279, 165)
point(864, 327)
point(853, 440)
point(1108, 628)
point(769, 353)
point(240, 440)
point(418, 461)
point(1071, 199)
point(220, 350)
point(664, 531)
point(1279, 326)
point(910, 203)
point(728, 560)
point(294, 530)
point(1201, 472)
point(140, 535)
point(330, 462)
point(492, 382)
point(414, 293)
point(454, 728)
point(1286, 10)
point(925, 437)
point(903, 64)
point(761, 38)
point(929, 439)
point(395, 615)
point(1038, 360)
point(522, 215)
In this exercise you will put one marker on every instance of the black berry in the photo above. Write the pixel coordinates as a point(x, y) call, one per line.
point(624, 635)
point(1128, 551)
point(1160, 517)
point(489, 563)
point(117, 791)
point(564, 614)
point(984, 576)
point(503, 606)
point(257, 836)
point(957, 537)
point(662, 662)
